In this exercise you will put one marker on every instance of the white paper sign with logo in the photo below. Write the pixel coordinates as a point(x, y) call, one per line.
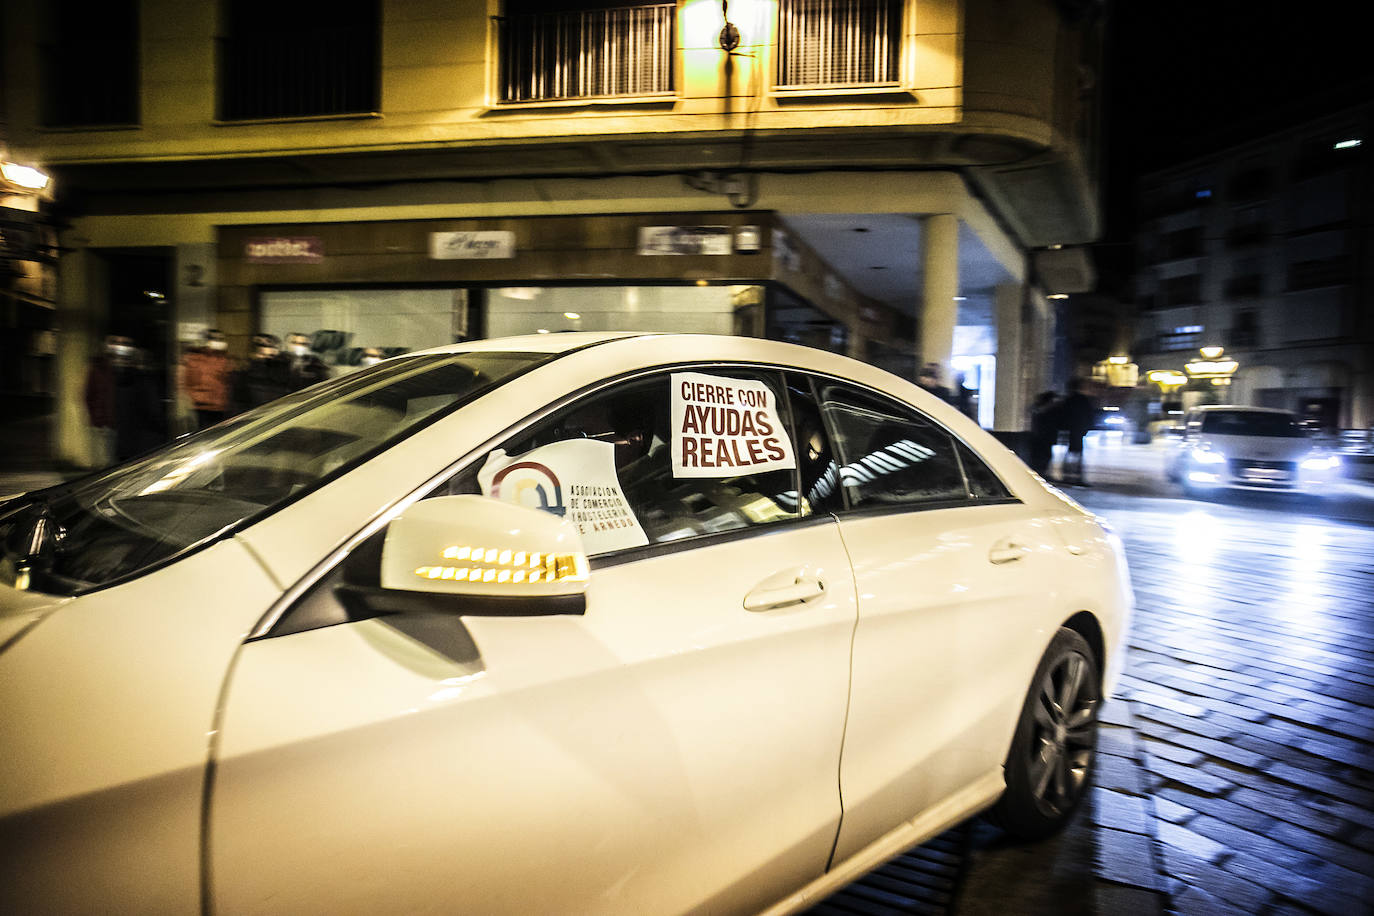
point(725, 427)
point(575, 480)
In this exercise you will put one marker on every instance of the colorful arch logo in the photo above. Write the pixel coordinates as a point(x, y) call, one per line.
point(547, 491)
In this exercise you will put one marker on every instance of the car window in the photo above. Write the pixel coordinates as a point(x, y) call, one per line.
point(819, 471)
point(982, 482)
point(889, 453)
point(671, 456)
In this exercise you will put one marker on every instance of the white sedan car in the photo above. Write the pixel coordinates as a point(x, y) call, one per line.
point(1249, 448)
point(566, 623)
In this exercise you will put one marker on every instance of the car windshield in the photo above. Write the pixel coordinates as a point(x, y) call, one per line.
point(1250, 423)
point(122, 521)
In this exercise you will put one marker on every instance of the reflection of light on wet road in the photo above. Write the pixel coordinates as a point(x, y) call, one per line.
point(1196, 535)
point(1305, 602)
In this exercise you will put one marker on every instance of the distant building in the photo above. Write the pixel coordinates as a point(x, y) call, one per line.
point(870, 176)
point(1265, 250)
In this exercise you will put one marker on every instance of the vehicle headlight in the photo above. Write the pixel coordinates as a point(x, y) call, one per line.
point(1320, 462)
point(1207, 456)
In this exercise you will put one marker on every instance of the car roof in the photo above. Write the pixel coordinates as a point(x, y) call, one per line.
point(1206, 408)
point(560, 342)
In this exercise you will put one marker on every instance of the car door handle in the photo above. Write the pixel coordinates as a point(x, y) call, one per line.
point(1007, 550)
point(765, 598)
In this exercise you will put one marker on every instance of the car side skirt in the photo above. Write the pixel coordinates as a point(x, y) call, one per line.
point(976, 797)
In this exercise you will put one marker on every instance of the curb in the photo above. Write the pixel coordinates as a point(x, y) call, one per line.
point(1125, 858)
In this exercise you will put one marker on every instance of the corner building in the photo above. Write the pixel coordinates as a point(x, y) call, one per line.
point(904, 181)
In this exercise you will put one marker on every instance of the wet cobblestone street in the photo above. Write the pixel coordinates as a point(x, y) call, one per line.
point(1236, 776)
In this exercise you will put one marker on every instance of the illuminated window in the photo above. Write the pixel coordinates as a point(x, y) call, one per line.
point(551, 51)
point(838, 42)
point(297, 60)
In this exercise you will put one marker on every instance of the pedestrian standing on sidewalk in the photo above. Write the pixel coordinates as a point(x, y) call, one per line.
point(1044, 432)
point(265, 377)
point(100, 393)
point(1078, 414)
point(205, 377)
point(306, 368)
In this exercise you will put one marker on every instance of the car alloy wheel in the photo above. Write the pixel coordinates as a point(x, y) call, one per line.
point(1053, 751)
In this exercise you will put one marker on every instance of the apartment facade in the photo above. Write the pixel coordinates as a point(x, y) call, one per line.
point(901, 180)
point(1264, 250)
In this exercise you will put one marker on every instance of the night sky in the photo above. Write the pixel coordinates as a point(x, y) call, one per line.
point(1187, 77)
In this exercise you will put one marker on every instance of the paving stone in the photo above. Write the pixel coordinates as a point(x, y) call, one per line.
point(1230, 890)
point(1188, 776)
point(1120, 811)
point(1304, 815)
point(1197, 902)
point(1170, 751)
point(1221, 809)
point(1126, 858)
point(1186, 840)
point(1172, 811)
point(1309, 780)
point(1119, 773)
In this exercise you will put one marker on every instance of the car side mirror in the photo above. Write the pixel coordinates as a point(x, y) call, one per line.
point(478, 556)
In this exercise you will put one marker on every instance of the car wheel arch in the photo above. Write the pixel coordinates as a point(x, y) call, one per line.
point(1086, 624)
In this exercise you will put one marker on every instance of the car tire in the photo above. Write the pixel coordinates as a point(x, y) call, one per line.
point(1050, 764)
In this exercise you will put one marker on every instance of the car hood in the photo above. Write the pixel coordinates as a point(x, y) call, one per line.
point(20, 611)
point(1260, 448)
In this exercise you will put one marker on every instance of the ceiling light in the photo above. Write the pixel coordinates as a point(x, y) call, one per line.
point(571, 316)
point(24, 176)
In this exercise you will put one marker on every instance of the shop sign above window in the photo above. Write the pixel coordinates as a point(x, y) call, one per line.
point(685, 240)
point(472, 245)
point(301, 249)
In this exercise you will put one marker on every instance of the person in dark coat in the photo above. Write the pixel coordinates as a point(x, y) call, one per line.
point(123, 401)
point(929, 379)
point(1078, 414)
point(305, 367)
point(265, 377)
point(140, 423)
point(1044, 432)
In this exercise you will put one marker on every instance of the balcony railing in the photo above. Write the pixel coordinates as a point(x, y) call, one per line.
point(595, 53)
point(838, 42)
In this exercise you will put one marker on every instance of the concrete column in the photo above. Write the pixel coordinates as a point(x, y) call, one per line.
point(1009, 407)
point(940, 284)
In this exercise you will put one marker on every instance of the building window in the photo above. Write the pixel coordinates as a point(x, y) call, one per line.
point(838, 42)
point(298, 60)
point(1245, 330)
point(90, 64)
point(1186, 290)
point(550, 52)
point(1183, 337)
